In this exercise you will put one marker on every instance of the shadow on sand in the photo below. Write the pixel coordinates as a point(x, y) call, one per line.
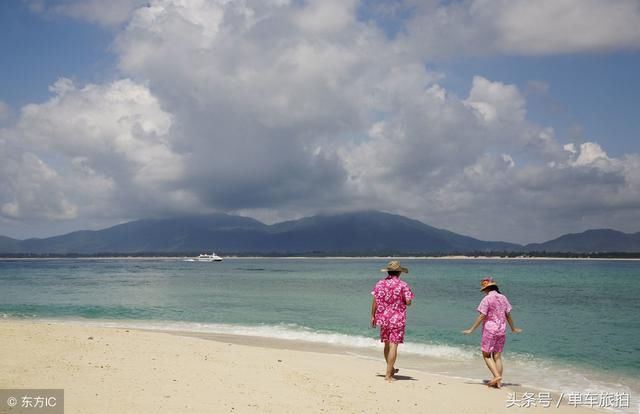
point(399, 377)
point(485, 382)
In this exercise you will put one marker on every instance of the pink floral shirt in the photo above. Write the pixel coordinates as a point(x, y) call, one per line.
point(391, 309)
point(494, 307)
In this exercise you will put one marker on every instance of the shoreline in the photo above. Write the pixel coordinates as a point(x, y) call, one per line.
point(454, 257)
point(440, 359)
point(108, 369)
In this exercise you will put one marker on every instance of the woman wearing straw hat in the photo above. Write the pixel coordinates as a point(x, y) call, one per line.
point(494, 314)
point(391, 296)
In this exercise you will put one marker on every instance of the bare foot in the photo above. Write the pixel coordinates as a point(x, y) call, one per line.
point(390, 379)
point(395, 371)
point(495, 382)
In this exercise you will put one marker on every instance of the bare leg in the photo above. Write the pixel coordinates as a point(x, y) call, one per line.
point(391, 360)
point(497, 358)
point(491, 364)
point(386, 356)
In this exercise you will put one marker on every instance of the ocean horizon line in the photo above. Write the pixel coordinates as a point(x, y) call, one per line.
point(126, 256)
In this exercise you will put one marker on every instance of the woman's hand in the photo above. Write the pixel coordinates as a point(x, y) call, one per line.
point(516, 330)
point(373, 321)
point(476, 323)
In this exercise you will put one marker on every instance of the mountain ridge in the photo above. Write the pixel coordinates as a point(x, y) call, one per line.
point(590, 241)
point(367, 232)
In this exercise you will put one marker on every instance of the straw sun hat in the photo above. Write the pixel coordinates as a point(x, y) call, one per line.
point(486, 282)
point(394, 266)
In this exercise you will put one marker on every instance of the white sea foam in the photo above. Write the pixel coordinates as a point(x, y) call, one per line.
point(290, 332)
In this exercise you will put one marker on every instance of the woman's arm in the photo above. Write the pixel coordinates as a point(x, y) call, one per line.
point(374, 306)
point(512, 324)
point(408, 296)
point(477, 323)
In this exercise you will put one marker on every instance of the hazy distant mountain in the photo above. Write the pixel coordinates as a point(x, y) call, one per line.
point(9, 245)
point(590, 241)
point(163, 235)
point(365, 233)
point(368, 232)
point(371, 232)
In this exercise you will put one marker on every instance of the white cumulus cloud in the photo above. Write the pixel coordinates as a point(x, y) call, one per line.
point(523, 27)
point(91, 150)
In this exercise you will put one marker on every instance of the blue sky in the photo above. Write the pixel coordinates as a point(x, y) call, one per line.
point(37, 50)
point(318, 73)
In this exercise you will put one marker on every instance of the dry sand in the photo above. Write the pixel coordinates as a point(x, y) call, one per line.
point(112, 370)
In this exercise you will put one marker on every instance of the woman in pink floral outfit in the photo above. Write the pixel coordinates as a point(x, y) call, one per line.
point(391, 296)
point(494, 312)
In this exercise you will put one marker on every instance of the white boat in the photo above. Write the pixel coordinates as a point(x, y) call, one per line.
point(205, 258)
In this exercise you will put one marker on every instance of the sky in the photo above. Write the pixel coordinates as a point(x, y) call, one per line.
point(508, 120)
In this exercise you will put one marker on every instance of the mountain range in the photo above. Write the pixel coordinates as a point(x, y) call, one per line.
point(361, 233)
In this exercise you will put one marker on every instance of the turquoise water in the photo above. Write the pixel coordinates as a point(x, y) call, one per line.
point(582, 316)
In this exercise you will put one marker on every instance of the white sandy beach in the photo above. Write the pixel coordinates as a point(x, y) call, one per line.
point(113, 370)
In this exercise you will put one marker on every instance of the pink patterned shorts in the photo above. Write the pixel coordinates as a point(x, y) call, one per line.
point(492, 343)
point(393, 335)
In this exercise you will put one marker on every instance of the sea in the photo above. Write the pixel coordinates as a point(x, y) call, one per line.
point(580, 318)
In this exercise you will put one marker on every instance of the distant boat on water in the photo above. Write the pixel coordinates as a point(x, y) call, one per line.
point(205, 258)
